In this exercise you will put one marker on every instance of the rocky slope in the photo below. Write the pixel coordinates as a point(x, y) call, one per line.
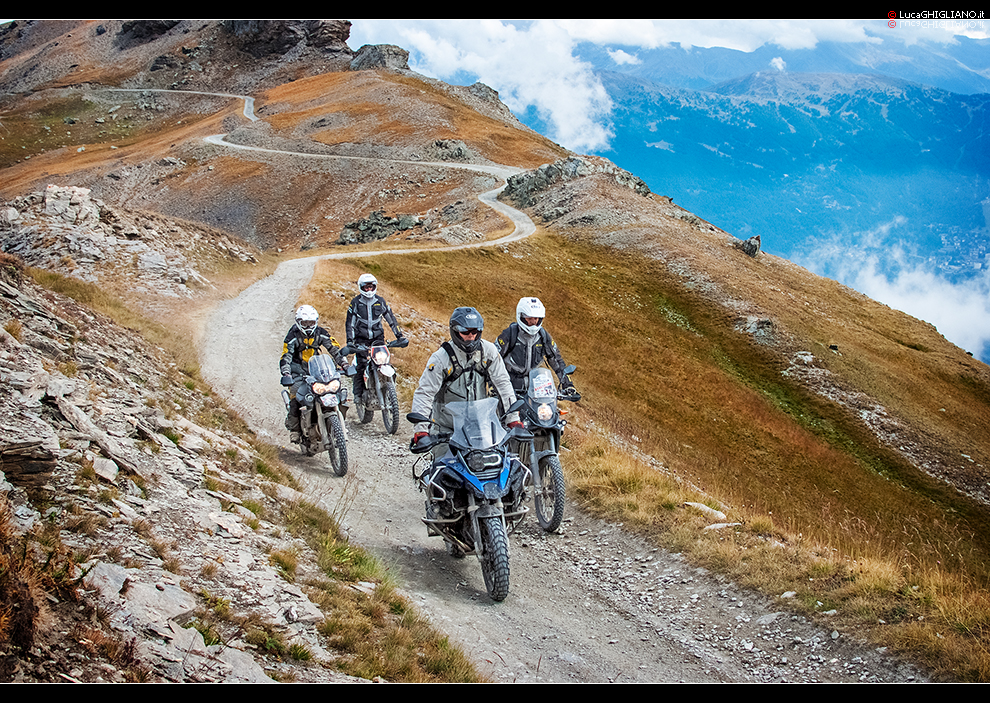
point(128, 477)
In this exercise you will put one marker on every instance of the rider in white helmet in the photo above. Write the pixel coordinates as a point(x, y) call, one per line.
point(303, 339)
point(364, 325)
point(525, 344)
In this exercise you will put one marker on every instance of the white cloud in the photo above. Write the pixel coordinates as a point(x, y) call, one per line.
point(666, 146)
point(621, 57)
point(891, 274)
point(531, 65)
point(779, 64)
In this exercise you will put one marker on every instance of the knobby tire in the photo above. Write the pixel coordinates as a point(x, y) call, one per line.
point(338, 444)
point(550, 501)
point(390, 411)
point(495, 562)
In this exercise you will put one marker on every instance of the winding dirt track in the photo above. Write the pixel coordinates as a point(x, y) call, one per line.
point(590, 604)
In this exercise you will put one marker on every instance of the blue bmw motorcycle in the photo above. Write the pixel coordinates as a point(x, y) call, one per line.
point(475, 488)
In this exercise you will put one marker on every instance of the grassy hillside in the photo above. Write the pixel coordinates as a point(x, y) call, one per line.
point(827, 510)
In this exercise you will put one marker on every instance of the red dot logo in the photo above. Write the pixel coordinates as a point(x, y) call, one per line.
point(892, 15)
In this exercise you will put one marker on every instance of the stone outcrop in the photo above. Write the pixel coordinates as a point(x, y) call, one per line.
point(374, 56)
point(103, 429)
point(262, 38)
point(523, 188)
point(448, 150)
point(376, 226)
point(751, 246)
point(66, 230)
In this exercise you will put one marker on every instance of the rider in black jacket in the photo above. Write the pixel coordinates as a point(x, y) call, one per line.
point(364, 326)
point(525, 344)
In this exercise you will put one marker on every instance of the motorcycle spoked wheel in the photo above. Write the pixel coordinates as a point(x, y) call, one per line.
point(550, 500)
point(495, 562)
point(390, 413)
point(338, 444)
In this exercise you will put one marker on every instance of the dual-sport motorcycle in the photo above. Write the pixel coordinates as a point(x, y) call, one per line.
point(541, 452)
point(475, 492)
point(321, 418)
point(379, 385)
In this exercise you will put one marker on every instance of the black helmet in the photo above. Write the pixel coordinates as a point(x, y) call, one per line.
point(466, 320)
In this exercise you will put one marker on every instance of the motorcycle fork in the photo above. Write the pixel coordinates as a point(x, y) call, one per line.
point(487, 510)
point(323, 426)
point(550, 441)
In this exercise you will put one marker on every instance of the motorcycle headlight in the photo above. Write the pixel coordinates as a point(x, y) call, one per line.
point(479, 462)
point(381, 357)
point(324, 388)
point(544, 412)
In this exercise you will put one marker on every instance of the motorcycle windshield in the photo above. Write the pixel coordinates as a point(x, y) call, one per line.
point(322, 368)
point(541, 384)
point(476, 424)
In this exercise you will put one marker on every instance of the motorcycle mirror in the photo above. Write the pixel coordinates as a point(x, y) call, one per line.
point(416, 418)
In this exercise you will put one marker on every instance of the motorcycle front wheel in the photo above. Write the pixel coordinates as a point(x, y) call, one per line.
point(390, 413)
point(338, 444)
point(550, 499)
point(495, 561)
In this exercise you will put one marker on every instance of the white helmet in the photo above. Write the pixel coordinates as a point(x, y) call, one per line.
point(363, 281)
point(306, 319)
point(530, 307)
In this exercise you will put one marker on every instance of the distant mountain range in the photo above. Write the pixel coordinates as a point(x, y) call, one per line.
point(806, 158)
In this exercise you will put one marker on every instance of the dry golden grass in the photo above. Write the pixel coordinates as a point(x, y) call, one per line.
point(826, 510)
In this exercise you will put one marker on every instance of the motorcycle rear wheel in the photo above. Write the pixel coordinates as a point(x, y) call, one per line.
point(390, 413)
point(338, 444)
point(550, 500)
point(495, 562)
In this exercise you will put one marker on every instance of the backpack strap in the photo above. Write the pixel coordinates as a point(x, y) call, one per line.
point(457, 370)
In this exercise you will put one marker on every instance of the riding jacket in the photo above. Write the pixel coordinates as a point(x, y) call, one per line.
point(364, 321)
point(466, 377)
point(297, 350)
point(523, 352)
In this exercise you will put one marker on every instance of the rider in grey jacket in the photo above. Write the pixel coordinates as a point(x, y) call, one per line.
point(462, 369)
